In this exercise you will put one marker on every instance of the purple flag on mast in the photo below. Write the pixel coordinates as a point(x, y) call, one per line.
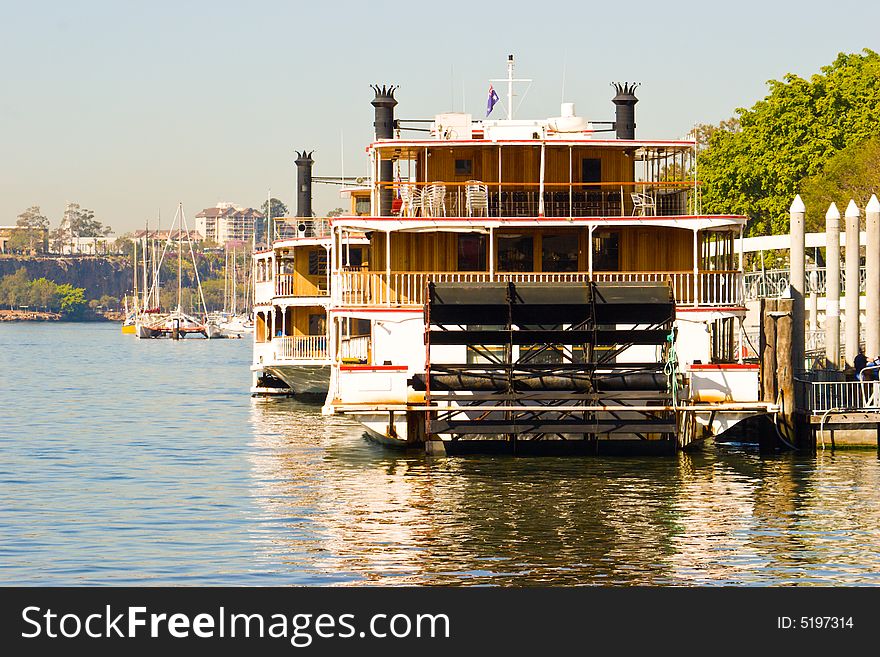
point(493, 98)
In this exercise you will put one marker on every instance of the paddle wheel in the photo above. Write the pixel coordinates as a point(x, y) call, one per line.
point(539, 367)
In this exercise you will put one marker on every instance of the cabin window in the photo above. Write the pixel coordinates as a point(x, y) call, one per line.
point(516, 253)
point(606, 249)
point(559, 252)
point(362, 206)
point(591, 170)
point(317, 324)
point(318, 262)
point(464, 167)
point(354, 257)
point(260, 328)
point(471, 253)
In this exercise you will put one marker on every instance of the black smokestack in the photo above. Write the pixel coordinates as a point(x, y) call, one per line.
point(384, 104)
point(304, 164)
point(625, 106)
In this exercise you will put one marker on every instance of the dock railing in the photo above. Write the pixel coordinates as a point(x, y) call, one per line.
point(773, 283)
point(830, 396)
point(372, 288)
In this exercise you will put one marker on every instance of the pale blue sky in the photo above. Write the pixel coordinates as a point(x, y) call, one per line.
point(129, 107)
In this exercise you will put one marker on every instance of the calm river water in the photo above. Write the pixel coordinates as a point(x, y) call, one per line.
point(146, 462)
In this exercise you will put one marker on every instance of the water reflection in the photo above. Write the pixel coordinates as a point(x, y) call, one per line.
point(133, 462)
point(335, 508)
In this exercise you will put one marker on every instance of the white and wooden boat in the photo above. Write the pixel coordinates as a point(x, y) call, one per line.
point(522, 285)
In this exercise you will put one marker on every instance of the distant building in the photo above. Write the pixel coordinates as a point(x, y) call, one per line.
point(88, 245)
point(7, 232)
point(164, 235)
point(227, 222)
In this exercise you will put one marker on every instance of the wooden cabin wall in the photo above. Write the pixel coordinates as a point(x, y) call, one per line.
point(616, 167)
point(656, 249)
point(299, 318)
point(305, 285)
point(640, 249)
point(523, 164)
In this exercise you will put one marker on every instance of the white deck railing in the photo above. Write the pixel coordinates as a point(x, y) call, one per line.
point(369, 288)
point(355, 348)
point(285, 286)
point(301, 347)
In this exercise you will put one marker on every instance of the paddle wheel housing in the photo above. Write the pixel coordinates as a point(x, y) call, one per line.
point(574, 363)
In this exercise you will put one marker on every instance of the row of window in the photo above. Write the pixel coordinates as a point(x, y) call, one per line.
point(516, 253)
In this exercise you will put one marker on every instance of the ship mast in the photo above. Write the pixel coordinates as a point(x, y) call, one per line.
point(510, 80)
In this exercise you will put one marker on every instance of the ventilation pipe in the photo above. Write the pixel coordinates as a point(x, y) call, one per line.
point(625, 109)
point(304, 164)
point(384, 104)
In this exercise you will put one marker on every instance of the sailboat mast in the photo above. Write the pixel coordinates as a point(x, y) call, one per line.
point(156, 260)
point(179, 267)
point(158, 271)
point(234, 282)
point(144, 256)
point(134, 271)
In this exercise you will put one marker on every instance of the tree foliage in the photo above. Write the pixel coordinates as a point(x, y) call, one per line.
point(852, 173)
point(788, 136)
point(81, 222)
point(30, 236)
point(279, 209)
point(18, 290)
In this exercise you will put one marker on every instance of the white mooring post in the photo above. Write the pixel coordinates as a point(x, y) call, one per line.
point(814, 302)
point(797, 252)
point(852, 215)
point(832, 286)
point(872, 283)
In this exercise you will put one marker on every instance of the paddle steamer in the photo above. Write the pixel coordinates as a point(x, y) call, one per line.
point(520, 285)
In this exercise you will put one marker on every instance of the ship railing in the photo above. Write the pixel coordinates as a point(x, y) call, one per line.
point(520, 199)
point(286, 286)
point(301, 347)
point(293, 227)
point(355, 349)
point(369, 288)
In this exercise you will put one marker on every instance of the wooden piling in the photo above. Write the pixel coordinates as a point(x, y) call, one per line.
point(768, 350)
point(785, 367)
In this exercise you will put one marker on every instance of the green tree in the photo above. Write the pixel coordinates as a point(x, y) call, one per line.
point(33, 224)
point(44, 294)
point(72, 300)
point(279, 209)
point(21, 241)
point(335, 212)
point(80, 222)
point(852, 173)
point(788, 136)
point(15, 289)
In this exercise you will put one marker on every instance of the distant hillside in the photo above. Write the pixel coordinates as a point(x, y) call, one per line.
point(99, 276)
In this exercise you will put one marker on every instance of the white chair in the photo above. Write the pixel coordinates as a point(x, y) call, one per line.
point(434, 200)
point(477, 198)
point(643, 204)
point(410, 200)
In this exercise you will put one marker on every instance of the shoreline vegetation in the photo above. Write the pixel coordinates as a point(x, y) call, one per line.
point(46, 316)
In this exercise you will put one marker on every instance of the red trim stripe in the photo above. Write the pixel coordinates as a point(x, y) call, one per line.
point(374, 368)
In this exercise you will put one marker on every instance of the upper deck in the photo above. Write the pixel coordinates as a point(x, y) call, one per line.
point(512, 169)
